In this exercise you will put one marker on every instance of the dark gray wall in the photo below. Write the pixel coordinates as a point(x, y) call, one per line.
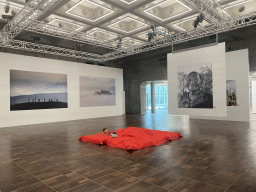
point(146, 66)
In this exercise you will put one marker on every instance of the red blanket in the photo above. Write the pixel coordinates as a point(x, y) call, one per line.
point(133, 138)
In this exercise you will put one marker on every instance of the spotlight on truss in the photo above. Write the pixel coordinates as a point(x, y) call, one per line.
point(119, 44)
point(35, 38)
point(151, 35)
point(79, 47)
point(6, 8)
point(8, 17)
point(198, 20)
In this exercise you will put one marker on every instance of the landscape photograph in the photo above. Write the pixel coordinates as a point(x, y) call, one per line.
point(36, 90)
point(97, 91)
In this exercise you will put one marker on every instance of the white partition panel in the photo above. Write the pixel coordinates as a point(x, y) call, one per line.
point(253, 96)
point(237, 68)
point(212, 55)
point(73, 71)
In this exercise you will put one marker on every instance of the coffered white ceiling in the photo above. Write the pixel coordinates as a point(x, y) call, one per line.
point(129, 19)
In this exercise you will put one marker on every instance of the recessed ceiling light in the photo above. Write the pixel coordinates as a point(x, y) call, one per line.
point(237, 3)
point(152, 7)
point(68, 11)
point(111, 25)
point(84, 11)
point(234, 4)
point(171, 10)
point(12, 6)
point(241, 8)
point(128, 2)
point(61, 24)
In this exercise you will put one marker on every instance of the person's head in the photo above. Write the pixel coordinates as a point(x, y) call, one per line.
point(194, 81)
point(105, 130)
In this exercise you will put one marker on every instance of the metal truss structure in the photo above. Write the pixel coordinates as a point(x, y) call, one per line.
point(176, 38)
point(40, 48)
point(28, 14)
point(26, 20)
point(55, 31)
point(212, 10)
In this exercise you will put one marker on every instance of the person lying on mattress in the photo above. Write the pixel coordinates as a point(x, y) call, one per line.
point(106, 132)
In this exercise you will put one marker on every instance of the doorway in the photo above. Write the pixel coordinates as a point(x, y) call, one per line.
point(159, 95)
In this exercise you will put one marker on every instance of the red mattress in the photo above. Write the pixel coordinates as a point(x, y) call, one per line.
point(133, 138)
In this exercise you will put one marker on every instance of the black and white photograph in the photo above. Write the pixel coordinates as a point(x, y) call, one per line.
point(195, 89)
point(36, 90)
point(97, 91)
point(231, 93)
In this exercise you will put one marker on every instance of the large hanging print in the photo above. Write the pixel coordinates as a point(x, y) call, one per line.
point(97, 91)
point(195, 85)
point(37, 90)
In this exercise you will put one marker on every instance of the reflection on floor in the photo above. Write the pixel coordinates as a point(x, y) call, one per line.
point(212, 156)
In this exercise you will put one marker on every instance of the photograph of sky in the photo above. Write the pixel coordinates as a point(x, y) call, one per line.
point(40, 90)
point(97, 91)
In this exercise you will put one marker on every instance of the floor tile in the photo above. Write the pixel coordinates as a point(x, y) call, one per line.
point(17, 182)
point(165, 179)
point(38, 187)
point(197, 186)
point(38, 165)
point(216, 179)
point(52, 172)
point(142, 186)
point(117, 164)
point(62, 159)
point(184, 170)
point(11, 172)
point(101, 157)
point(242, 185)
point(89, 186)
point(29, 160)
point(116, 180)
point(66, 181)
point(7, 164)
point(138, 170)
point(250, 174)
point(78, 164)
point(228, 169)
point(95, 171)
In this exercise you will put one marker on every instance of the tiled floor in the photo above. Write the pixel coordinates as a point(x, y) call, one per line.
point(216, 156)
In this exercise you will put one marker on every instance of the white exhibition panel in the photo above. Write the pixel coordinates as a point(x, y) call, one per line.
point(73, 71)
point(253, 96)
point(214, 54)
point(237, 68)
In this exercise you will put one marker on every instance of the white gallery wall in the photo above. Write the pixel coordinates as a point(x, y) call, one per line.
point(215, 55)
point(237, 68)
point(73, 71)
